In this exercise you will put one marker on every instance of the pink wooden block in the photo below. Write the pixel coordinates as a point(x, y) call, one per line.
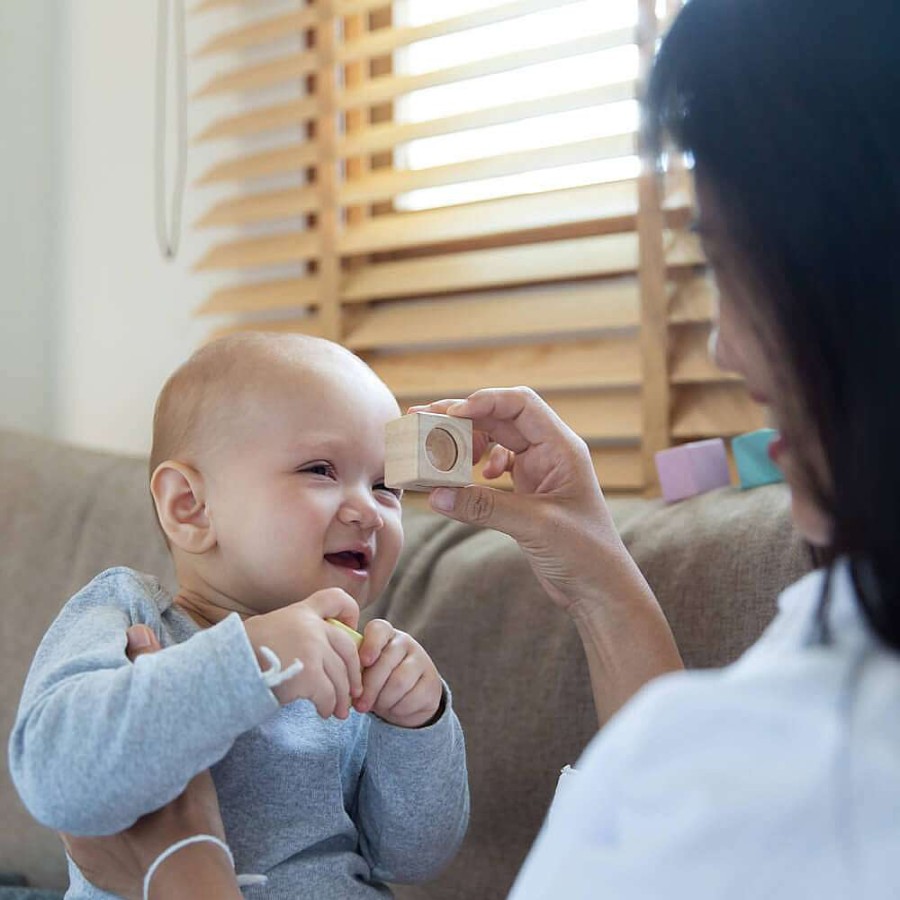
point(692, 469)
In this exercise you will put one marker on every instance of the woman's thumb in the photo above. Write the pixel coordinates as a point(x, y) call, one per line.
point(480, 505)
point(141, 640)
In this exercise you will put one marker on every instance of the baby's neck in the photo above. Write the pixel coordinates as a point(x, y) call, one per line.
point(201, 610)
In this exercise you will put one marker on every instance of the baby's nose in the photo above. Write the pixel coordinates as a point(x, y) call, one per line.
point(361, 510)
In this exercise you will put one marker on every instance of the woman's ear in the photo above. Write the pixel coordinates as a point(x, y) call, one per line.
point(178, 492)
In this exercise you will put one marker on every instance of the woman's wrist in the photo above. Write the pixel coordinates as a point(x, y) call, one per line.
point(626, 637)
point(201, 871)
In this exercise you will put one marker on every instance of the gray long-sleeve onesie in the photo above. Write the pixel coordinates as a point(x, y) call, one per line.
point(324, 808)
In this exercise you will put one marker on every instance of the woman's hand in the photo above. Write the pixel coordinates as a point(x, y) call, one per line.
point(557, 515)
point(556, 511)
point(117, 863)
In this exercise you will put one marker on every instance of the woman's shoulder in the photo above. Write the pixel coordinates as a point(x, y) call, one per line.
point(768, 775)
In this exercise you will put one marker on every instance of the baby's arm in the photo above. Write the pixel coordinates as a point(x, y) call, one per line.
point(413, 800)
point(98, 741)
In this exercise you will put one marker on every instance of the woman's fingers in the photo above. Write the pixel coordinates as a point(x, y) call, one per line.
point(439, 406)
point(500, 460)
point(515, 417)
point(486, 507)
point(141, 639)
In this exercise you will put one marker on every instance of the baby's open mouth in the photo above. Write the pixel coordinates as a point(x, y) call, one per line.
point(348, 559)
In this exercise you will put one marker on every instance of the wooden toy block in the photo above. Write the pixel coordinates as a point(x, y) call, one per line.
point(751, 456)
point(427, 450)
point(692, 469)
point(357, 637)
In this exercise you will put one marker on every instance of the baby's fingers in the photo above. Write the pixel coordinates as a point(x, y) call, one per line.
point(377, 636)
point(376, 676)
point(324, 697)
point(418, 705)
point(345, 647)
point(337, 674)
point(401, 682)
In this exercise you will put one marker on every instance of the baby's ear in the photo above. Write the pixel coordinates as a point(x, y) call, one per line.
point(178, 492)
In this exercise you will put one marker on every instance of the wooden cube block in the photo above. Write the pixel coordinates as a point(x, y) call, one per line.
point(751, 456)
point(692, 469)
point(427, 450)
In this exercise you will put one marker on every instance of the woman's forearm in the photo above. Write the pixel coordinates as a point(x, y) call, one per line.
point(198, 872)
point(626, 637)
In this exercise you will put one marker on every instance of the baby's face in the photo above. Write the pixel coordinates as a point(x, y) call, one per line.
point(298, 500)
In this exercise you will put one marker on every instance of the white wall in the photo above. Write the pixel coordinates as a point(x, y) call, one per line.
point(92, 318)
point(29, 106)
point(125, 313)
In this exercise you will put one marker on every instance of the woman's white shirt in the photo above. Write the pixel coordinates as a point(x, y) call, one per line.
point(777, 777)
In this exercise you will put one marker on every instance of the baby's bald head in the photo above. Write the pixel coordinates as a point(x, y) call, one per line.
point(204, 399)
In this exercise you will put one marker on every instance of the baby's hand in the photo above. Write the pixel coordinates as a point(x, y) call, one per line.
point(400, 682)
point(331, 675)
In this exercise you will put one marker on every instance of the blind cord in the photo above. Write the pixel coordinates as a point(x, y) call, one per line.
point(168, 230)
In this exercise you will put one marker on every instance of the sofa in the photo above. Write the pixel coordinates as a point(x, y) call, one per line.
point(520, 682)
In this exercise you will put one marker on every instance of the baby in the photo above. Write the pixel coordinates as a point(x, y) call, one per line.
point(267, 473)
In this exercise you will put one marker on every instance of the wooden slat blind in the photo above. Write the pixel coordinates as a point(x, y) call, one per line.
point(592, 293)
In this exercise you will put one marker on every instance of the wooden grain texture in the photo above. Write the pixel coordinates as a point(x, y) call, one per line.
point(262, 297)
point(691, 363)
point(293, 157)
point(260, 33)
point(275, 117)
point(597, 414)
point(652, 277)
point(388, 184)
point(250, 253)
point(599, 362)
point(328, 218)
point(267, 206)
point(288, 68)
point(692, 300)
point(414, 462)
point(714, 410)
point(614, 203)
point(500, 316)
point(479, 269)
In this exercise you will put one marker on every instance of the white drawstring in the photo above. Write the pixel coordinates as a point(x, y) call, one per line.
point(273, 676)
point(242, 880)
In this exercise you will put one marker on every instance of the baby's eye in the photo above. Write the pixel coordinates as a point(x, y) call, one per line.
point(319, 468)
point(381, 487)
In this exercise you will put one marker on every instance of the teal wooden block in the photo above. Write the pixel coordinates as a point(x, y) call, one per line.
point(751, 456)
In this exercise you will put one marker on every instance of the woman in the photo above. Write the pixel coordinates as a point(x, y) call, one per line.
point(779, 776)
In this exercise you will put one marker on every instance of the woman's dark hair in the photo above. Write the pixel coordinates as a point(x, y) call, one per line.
point(791, 111)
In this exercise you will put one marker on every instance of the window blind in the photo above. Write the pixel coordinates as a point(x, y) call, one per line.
point(566, 275)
